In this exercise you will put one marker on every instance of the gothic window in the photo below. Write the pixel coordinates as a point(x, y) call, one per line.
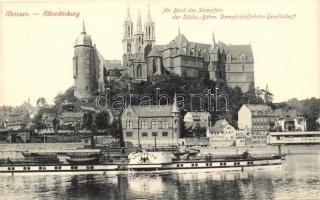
point(154, 67)
point(139, 49)
point(75, 67)
point(228, 68)
point(87, 70)
point(87, 88)
point(228, 58)
point(128, 48)
point(243, 68)
point(242, 58)
point(139, 71)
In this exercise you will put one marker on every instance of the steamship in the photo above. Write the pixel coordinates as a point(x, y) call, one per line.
point(141, 160)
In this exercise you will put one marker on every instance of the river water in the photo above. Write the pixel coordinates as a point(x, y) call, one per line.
point(298, 178)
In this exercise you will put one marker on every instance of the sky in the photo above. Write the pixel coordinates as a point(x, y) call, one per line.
point(36, 51)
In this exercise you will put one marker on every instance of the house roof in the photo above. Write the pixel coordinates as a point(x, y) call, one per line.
point(199, 115)
point(258, 107)
point(281, 113)
point(153, 110)
point(219, 126)
point(72, 115)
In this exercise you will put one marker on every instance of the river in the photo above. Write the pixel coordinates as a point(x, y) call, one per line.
point(298, 178)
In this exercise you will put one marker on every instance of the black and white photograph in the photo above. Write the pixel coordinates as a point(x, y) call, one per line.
point(160, 99)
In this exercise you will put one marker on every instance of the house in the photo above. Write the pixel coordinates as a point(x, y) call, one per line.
point(16, 120)
point(289, 120)
point(196, 123)
point(150, 125)
point(71, 119)
point(242, 137)
point(256, 119)
point(318, 123)
point(221, 134)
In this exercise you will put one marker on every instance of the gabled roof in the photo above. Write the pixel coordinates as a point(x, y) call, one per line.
point(219, 126)
point(153, 110)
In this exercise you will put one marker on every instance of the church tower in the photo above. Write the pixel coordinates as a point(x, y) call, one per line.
point(149, 30)
point(213, 67)
point(138, 37)
point(127, 40)
point(176, 118)
point(83, 66)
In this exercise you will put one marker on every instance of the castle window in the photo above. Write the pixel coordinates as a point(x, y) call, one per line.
point(87, 88)
point(243, 68)
point(228, 69)
point(139, 70)
point(154, 134)
point(75, 67)
point(242, 58)
point(154, 68)
point(87, 70)
point(144, 134)
point(228, 58)
point(128, 48)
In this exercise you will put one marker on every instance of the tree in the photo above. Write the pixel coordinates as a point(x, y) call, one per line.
point(41, 102)
point(102, 120)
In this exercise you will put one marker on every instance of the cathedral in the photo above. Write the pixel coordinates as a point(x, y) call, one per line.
point(143, 59)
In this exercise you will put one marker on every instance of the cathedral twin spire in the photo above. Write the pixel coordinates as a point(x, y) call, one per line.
point(149, 24)
point(135, 41)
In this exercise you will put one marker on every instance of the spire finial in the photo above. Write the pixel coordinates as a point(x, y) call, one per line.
point(128, 18)
point(175, 108)
point(83, 27)
point(149, 13)
point(139, 26)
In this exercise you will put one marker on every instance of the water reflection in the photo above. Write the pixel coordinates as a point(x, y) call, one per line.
point(299, 178)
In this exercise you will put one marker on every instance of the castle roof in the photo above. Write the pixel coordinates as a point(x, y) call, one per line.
point(154, 53)
point(83, 39)
point(236, 50)
point(113, 64)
